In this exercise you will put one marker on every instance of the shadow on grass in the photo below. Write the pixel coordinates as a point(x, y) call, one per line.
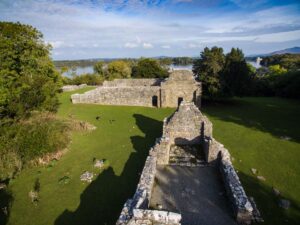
point(5, 202)
point(268, 203)
point(279, 117)
point(102, 201)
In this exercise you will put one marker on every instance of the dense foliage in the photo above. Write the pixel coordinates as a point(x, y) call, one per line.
point(23, 141)
point(287, 61)
point(28, 79)
point(230, 75)
point(208, 68)
point(236, 75)
point(29, 85)
point(149, 68)
point(118, 69)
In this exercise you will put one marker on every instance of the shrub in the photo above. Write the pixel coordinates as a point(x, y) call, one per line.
point(40, 135)
point(29, 139)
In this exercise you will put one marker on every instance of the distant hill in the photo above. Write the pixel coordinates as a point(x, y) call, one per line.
point(294, 50)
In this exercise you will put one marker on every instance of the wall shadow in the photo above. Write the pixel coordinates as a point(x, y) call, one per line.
point(276, 116)
point(101, 202)
point(268, 203)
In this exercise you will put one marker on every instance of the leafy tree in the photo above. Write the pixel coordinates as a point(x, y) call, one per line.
point(28, 79)
point(236, 75)
point(165, 62)
point(98, 68)
point(118, 69)
point(288, 61)
point(276, 70)
point(149, 68)
point(207, 69)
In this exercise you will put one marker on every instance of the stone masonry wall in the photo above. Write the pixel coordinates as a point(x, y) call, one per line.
point(181, 85)
point(188, 124)
point(73, 87)
point(135, 96)
point(242, 207)
point(135, 210)
point(132, 82)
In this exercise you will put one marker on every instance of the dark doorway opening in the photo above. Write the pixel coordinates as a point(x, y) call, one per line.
point(195, 96)
point(180, 99)
point(154, 101)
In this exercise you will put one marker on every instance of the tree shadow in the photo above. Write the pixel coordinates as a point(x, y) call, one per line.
point(101, 202)
point(268, 203)
point(6, 199)
point(278, 117)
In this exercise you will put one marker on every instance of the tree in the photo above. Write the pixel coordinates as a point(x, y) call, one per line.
point(98, 68)
point(236, 75)
point(118, 69)
point(207, 69)
point(148, 68)
point(276, 70)
point(28, 79)
point(165, 62)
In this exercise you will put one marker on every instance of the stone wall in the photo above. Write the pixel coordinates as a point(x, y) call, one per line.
point(186, 126)
point(180, 85)
point(73, 87)
point(241, 205)
point(132, 82)
point(135, 211)
point(134, 96)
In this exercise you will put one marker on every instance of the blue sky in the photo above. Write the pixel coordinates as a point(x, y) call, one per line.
point(80, 29)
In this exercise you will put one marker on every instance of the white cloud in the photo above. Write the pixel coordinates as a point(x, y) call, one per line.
point(147, 45)
point(88, 31)
point(131, 45)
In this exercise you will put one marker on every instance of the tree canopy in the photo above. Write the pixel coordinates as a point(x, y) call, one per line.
point(236, 74)
point(207, 69)
point(28, 79)
point(149, 68)
point(118, 69)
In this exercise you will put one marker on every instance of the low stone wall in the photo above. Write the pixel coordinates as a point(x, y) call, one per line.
point(145, 217)
point(189, 124)
point(242, 207)
point(132, 82)
point(135, 210)
point(73, 87)
point(134, 96)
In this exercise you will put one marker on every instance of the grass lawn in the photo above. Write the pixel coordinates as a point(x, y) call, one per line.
point(124, 143)
point(250, 128)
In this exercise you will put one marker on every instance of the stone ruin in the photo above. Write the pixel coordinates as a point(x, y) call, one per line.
point(67, 88)
point(181, 85)
point(187, 127)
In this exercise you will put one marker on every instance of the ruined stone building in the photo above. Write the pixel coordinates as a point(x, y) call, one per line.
point(188, 179)
point(169, 92)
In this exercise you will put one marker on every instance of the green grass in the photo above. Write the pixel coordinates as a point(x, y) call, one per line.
point(124, 143)
point(250, 128)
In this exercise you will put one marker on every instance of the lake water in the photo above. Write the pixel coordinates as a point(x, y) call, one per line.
point(89, 69)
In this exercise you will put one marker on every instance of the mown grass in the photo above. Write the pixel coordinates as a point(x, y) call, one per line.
point(123, 138)
point(250, 128)
point(253, 129)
